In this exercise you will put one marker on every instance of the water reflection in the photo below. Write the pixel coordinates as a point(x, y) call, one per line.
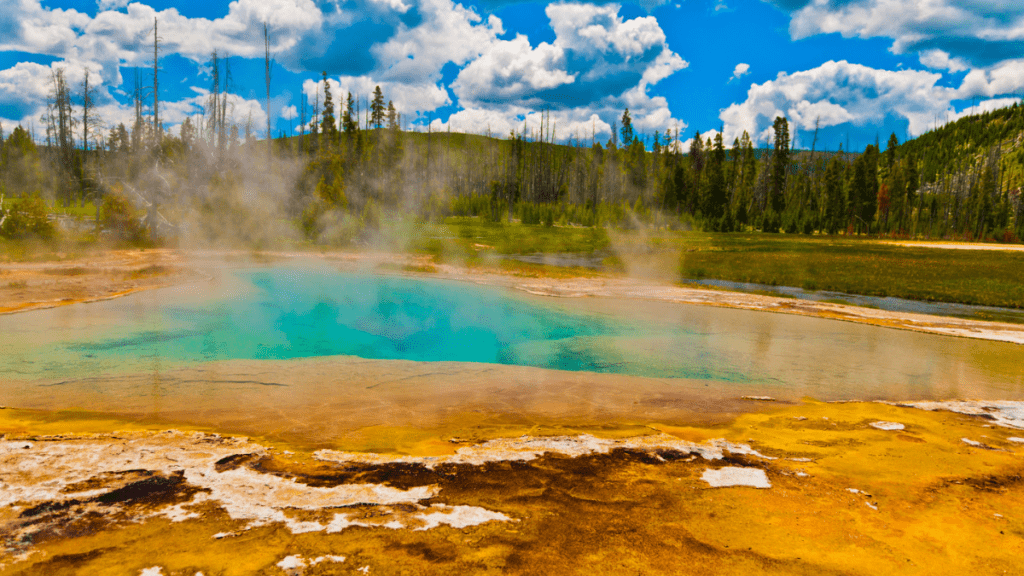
point(283, 313)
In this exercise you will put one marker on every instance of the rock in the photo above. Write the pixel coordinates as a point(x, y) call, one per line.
point(734, 476)
point(881, 425)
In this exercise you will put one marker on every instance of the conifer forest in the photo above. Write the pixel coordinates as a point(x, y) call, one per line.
point(352, 165)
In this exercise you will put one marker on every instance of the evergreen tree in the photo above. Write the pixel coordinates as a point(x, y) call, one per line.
point(392, 117)
point(714, 202)
point(697, 168)
point(627, 129)
point(350, 119)
point(188, 133)
point(377, 109)
point(834, 213)
point(780, 165)
point(327, 124)
point(890, 151)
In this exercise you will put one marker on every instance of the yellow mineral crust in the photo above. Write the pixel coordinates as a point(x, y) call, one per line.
point(811, 488)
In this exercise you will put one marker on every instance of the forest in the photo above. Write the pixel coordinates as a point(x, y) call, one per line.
point(355, 169)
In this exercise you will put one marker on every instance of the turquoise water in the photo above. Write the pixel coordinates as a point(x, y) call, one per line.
point(292, 312)
point(311, 310)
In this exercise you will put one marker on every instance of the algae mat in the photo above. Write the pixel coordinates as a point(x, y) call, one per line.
point(855, 488)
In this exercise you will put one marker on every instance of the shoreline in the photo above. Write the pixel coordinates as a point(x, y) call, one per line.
point(184, 267)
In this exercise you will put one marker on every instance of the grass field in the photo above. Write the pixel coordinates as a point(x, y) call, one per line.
point(850, 265)
point(856, 266)
point(472, 240)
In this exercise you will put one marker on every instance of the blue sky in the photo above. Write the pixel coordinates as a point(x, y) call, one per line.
point(859, 69)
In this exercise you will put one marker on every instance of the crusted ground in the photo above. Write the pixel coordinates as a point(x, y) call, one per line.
point(855, 488)
point(96, 276)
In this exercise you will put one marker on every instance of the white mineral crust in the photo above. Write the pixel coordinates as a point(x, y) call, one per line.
point(734, 476)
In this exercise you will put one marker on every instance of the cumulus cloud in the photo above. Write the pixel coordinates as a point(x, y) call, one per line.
point(408, 99)
point(684, 145)
point(122, 37)
point(240, 111)
point(836, 93)
point(565, 124)
point(980, 32)
point(598, 63)
point(938, 60)
point(394, 40)
point(447, 32)
point(1000, 80)
point(111, 4)
point(25, 87)
point(399, 43)
point(739, 71)
point(513, 71)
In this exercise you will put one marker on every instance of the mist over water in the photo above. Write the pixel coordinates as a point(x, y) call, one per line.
point(308, 310)
point(292, 312)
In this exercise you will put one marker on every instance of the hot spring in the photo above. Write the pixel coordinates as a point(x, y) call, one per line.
point(317, 351)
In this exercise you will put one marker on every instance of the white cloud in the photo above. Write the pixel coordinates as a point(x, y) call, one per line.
point(979, 31)
point(289, 113)
point(512, 71)
point(448, 33)
point(1005, 78)
point(598, 63)
point(240, 111)
point(563, 125)
point(739, 71)
point(27, 83)
point(111, 4)
point(684, 146)
point(839, 92)
point(408, 99)
point(115, 37)
point(939, 60)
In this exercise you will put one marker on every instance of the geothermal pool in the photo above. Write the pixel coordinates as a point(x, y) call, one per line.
point(311, 345)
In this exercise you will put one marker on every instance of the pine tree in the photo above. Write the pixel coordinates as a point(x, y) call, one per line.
point(780, 165)
point(188, 133)
point(890, 151)
point(834, 204)
point(716, 196)
point(328, 127)
point(697, 162)
point(627, 129)
point(377, 109)
point(350, 118)
point(392, 117)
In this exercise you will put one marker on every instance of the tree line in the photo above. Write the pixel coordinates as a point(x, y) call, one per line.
point(353, 165)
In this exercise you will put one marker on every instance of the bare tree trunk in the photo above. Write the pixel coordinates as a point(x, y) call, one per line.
point(266, 66)
point(158, 128)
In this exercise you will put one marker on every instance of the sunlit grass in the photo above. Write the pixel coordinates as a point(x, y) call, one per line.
point(528, 239)
point(857, 266)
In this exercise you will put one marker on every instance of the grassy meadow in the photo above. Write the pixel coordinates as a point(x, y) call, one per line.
point(841, 264)
point(857, 266)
